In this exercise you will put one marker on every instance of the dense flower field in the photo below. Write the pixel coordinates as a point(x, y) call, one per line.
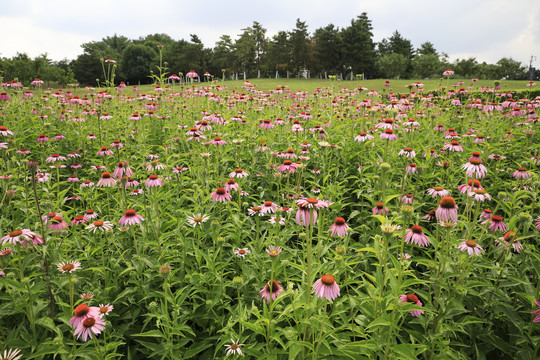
point(209, 222)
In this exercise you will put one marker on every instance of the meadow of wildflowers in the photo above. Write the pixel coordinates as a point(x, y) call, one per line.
point(201, 221)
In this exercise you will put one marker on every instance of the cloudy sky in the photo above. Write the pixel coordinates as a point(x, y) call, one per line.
point(485, 29)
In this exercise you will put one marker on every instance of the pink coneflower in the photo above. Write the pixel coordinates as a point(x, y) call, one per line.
point(234, 348)
point(474, 167)
point(23, 151)
point(130, 218)
point(105, 151)
point(288, 154)
point(218, 141)
point(136, 192)
point(413, 299)
point(447, 72)
point(135, 117)
point(438, 191)
point(121, 170)
point(537, 223)
point(486, 214)
point(407, 152)
point(417, 236)
point(537, 311)
point(105, 309)
point(81, 312)
point(231, 185)
point(480, 195)
point(471, 247)
point(220, 195)
point(68, 266)
point(105, 116)
point(91, 136)
point(242, 252)
point(339, 227)
point(273, 251)
point(106, 180)
point(73, 178)
point(16, 236)
point(430, 216)
point(89, 326)
point(79, 219)
point(131, 183)
point(469, 186)
point(42, 138)
point(497, 224)
point(8, 250)
point(439, 128)
point(11, 354)
point(407, 199)
point(270, 291)
point(198, 219)
point(510, 239)
point(411, 169)
point(521, 173)
point(266, 124)
point(447, 210)
point(255, 210)
point(268, 208)
point(386, 124)
point(5, 131)
point(179, 169)
point(57, 223)
point(90, 214)
point(117, 144)
point(287, 166)
point(326, 287)
point(389, 135)
point(453, 146)
point(100, 225)
point(380, 209)
point(363, 137)
point(153, 181)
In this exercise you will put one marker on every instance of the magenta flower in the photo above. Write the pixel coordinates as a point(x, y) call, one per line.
point(537, 311)
point(218, 141)
point(474, 167)
point(42, 138)
point(271, 291)
point(521, 173)
point(339, 227)
point(153, 181)
point(510, 239)
point(453, 146)
point(268, 208)
point(407, 152)
point(5, 131)
point(326, 287)
point(105, 151)
point(106, 180)
point(438, 191)
point(220, 195)
point(411, 169)
point(287, 166)
point(497, 224)
point(380, 209)
point(89, 326)
point(389, 135)
point(411, 298)
point(130, 218)
point(239, 173)
point(122, 170)
point(447, 210)
point(417, 236)
point(407, 199)
point(363, 137)
point(81, 312)
point(471, 247)
point(17, 236)
point(58, 224)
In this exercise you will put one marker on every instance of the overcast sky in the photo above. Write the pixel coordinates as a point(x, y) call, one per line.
point(485, 29)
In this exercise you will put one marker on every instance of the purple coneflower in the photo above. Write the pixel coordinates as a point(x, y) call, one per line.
point(339, 227)
point(471, 247)
point(89, 327)
point(105, 151)
point(198, 219)
point(411, 169)
point(218, 141)
point(380, 209)
point(363, 137)
point(106, 180)
point(389, 135)
point(42, 138)
point(438, 191)
point(100, 225)
point(5, 131)
point(153, 181)
point(407, 199)
point(268, 207)
point(407, 152)
point(79, 219)
point(54, 158)
point(417, 236)
point(510, 239)
point(469, 186)
point(475, 167)
point(413, 299)
point(16, 236)
point(326, 287)
point(271, 291)
point(453, 146)
point(537, 311)
point(220, 195)
point(81, 312)
point(234, 348)
point(273, 251)
point(68, 266)
point(239, 173)
point(130, 218)
point(242, 252)
point(57, 223)
point(447, 210)
point(497, 224)
point(121, 170)
point(521, 173)
point(480, 195)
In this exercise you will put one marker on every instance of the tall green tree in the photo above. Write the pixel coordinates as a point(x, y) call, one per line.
point(279, 53)
point(245, 50)
point(358, 46)
point(137, 61)
point(327, 49)
point(301, 46)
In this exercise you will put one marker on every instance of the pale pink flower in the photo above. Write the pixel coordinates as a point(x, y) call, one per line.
point(411, 298)
point(270, 291)
point(130, 218)
point(326, 287)
point(339, 227)
point(471, 247)
point(220, 195)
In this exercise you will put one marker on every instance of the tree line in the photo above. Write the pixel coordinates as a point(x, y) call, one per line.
point(348, 52)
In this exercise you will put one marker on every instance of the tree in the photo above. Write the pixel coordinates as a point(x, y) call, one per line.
point(358, 46)
point(223, 54)
point(301, 47)
point(392, 65)
point(261, 43)
point(327, 49)
point(510, 69)
point(427, 66)
point(427, 48)
point(279, 52)
point(466, 68)
point(245, 50)
point(397, 44)
point(138, 60)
